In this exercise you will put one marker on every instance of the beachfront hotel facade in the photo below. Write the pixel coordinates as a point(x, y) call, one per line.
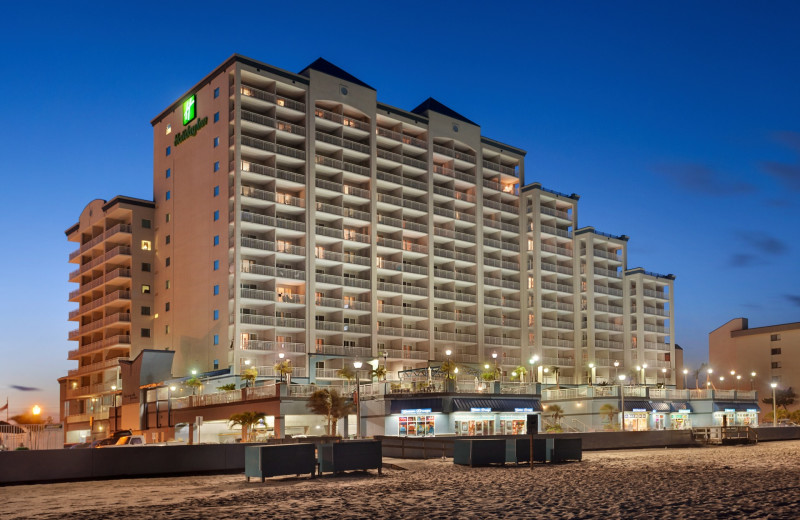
point(296, 217)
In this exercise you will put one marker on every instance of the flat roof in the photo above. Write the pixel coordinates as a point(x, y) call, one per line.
point(765, 330)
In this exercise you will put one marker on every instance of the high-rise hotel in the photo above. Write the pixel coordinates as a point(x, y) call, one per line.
point(295, 215)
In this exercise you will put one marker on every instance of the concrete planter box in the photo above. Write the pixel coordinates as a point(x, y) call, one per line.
point(479, 452)
point(284, 459)
point(350, 455)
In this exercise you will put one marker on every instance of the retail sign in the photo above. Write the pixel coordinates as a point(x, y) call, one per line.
point(730, 410)
point(684, 411)
point(189, 110)
point(639, 410)
point(416, 410)
point(523, 410)
point(752, 410)
point(480, 410)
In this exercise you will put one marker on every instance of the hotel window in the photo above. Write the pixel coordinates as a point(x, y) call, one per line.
point(166, 329)
point(775, 337)
point(169, 129)
point(216, 215)
point(169, 173)
point(145, 289)
point(216, 290)
point(146, 269)
point(146, 245)
point(167, 284)
point(216, 92)
point(216, 142)
point(167, 239)
point(167, 261)
point(166, 307)
point(216, 191)
point(216, 339)
point(168, 217)
point(216, 240)
point(216, 117)
point(146, 223)
point(776, 364)
point(216, 364)
point(169, 151)
point(216, 314)
point(216, 265)
point(776, 351)
point(168, 195)
point(145, 333)
point(145, 311)
point(216, 166)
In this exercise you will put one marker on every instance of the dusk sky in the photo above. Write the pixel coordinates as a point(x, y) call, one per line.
point(678, 124)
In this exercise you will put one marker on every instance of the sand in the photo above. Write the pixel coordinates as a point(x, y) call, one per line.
point(761, 481)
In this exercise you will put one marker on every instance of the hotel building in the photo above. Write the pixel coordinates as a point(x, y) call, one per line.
point(295, 215)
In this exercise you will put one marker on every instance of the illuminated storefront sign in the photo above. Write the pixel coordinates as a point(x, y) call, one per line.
point(416, 410)
point(189, 110)
point(480, 410)
point(523, 410)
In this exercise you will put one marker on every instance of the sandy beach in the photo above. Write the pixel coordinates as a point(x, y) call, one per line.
point(761, 481)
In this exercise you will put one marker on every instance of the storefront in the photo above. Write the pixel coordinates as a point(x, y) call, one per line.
point(416, 417)
point(680, 418)
point(735, 414)
point(494, 416)
point(660, 416)
point(636, 415)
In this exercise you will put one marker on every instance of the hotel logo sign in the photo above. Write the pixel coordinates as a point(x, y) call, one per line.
point(189, 109)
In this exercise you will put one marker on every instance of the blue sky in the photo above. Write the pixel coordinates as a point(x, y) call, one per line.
point(678, 124)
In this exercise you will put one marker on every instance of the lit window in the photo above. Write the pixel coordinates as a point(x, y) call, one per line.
point(145, 289)
point(169, 173)
point(216, 290)
point(280, 102)
point(146, 245)
point(216, 314)
point(167, 217)
point(216, 92)
point(216, 339)
point(216, 191)
point(216, 166)
point(167, 284)
point(169, 195)
point(216, 142)
point(169, 151)
point(216, 265)
point(216, 215)
point(166, 329)
point(216, 117)
point(169, 129)
point(216, 240)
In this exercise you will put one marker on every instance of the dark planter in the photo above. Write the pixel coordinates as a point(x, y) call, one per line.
point(279, 459)
point(479, 452)
point(350, 455)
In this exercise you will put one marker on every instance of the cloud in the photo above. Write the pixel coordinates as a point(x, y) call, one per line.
point(702, 178)
point(743, 260)
point(789, 138)
point(793, 298)
point(767, 244)
point(788, 174)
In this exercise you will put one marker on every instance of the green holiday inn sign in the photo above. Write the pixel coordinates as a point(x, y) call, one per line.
point(189, 109)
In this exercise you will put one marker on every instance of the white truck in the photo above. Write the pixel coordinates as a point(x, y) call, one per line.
point(127, 441)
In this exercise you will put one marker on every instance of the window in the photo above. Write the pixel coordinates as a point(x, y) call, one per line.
point(216, 339)
point(216, 191)
point(776, 364)
point(169, 151)
point(775, 337)
point(216, 93)
point(166, 329)
point(146, 223)
point(216, 290)
point(216, 142)
point(216, 166)
point(216, 215)
point(216, 364)
point(216, 314)
point(166, 307)
point(167, 261)
point(145, 311)
point(146, 269)
point(145, 289)
point(146, 245)
point(169, 129)
point(168, 217)
point(776, 351)
point(169, 173)
point(145, 333)
point(167, 240)
point(169, 195)
point(216, 240)
point(216, 265)
point(167, 285)
point(216, 117)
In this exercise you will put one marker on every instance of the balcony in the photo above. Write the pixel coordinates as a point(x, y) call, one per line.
point(555, 231)
point(95, 367)
point(402, 159)
point(277, 173)
point(275, 99)
point(119, 250)
point(341, 119)
point(270, 122)
point(103, 300)
point(406, 354)
point(119, 228)
point(121, 340)
point(342, 165)
point(449, 152)
point(267, 146)
point(404, 181)
point(554, 213)
point(119, 317)
point(500, 168)
point(402, 138)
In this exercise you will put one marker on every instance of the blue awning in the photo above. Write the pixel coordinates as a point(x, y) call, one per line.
point(637, 406)
point(660, 406)
point(721, 406)
point(677, 407)
point(416, 405)
point(495, 404)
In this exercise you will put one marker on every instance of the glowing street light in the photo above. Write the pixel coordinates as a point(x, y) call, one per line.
point(533, 361)
point(36, 410)
point(738, 378)
point(592, 376)
point(622, 399)
point(752, 382)
point(685, 373)
point(357, 365)
point(664, 372)
point(774, 405)
point(616, 366)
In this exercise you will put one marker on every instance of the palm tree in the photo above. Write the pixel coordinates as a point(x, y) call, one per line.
point(246, 420)
point(609, 411)
point(193, 383)
point(556, 413)
point(330, 404)
point(283, 367)
point(448, 368)
point(347, 373)
point(249, 376)
point(520, 372)
point(555, 371)
point(380, 373)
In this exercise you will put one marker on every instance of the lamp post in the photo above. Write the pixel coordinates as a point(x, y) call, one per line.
point(738, 378)
point(357, 365)
point(752, 380)
point(685, 373)
point(494, 356)
point(644, 374)
point(616, 366)
point(545, 370)
point(533, 361)
point(622, 399)
point(664, 373)
point(638, 374)
point(592, 373)
point(538, 375)
point(281, 355)
point(774, 405)
point(733, 373)
point(708, 376)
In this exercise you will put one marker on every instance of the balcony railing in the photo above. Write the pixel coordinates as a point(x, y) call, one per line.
point(119, 228)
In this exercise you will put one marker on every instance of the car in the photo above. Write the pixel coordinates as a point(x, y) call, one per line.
point(103, 442)
point(127, 441)
point(80, 445)
point(786, 422)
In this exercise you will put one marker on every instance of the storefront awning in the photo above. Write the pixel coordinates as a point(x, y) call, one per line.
point(410, 406)
point(660, 406)
point(677, 407)
point(637, 406)
point(497, 405)
point(739, 407)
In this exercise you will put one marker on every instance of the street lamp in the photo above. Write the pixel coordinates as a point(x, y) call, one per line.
point(494, 356)
point(733, 373)
point(664, 372)
point(592, 376)
point(545, 370)
point(616, 366)
point(708, 375)
point(738, 378)
point(622, 398)
point(36, 410)
point(357, 365)
point(281, 355)
point(774, 405)
point(752, 383)
point(685, 373)
point(534, 360)
point(644, 373)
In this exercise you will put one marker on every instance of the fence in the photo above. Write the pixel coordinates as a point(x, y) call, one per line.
point(31, 436)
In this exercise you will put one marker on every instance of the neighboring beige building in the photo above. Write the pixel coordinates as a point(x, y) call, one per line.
point(115, 308)
point(772, 352)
